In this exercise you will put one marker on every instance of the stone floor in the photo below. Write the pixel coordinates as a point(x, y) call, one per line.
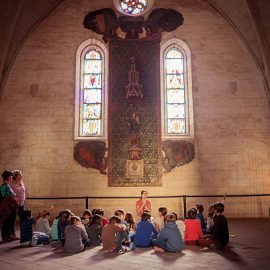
point(249, 249)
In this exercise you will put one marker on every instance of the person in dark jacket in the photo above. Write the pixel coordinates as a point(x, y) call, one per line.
point(170, 238)
point(221, 229)
point(220, 237)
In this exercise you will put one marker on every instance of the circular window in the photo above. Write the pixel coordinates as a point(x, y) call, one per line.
point(133, 7)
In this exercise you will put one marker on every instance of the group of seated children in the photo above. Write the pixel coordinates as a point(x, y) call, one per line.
point(121, 233)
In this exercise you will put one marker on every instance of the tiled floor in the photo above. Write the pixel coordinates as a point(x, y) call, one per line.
point(249, 249)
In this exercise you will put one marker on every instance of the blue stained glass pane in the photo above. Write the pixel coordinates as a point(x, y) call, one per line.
point(91, 127)
point(176, 96)
point(176, 126)
point(174, 53)
point(176, 110)
point(93, 54)
point(92, 66)
point(175, 81)
point(92, 111)
point(92, 96)
point(174, 66)
point(92, 81)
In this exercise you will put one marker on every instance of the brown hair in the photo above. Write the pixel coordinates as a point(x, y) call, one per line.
point(119, 212)
point(74, 219)
point(170, 217)
point(163, 211)
point(115, 219)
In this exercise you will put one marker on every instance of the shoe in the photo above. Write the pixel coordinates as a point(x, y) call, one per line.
point(14, 237)
point(215, 247)
point(6, 239)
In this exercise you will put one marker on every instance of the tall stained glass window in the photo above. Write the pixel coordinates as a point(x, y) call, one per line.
point(176, 91)
point(90, 91)
point(91, 94)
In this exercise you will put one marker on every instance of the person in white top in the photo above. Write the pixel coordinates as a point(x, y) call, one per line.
point(43, 225)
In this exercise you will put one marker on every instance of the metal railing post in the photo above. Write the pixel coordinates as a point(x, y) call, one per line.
point(185, 205)
point(86, 202)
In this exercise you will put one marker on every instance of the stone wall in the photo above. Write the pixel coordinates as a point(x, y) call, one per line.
point(231, 115)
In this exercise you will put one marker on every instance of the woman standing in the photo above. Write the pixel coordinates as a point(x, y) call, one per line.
point(19, 189)
point(143, 204)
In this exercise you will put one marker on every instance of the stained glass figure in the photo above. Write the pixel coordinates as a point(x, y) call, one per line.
point(91, 94)
point(91, 127)
point(132, 7)
point(176, 96)
point(175, 92)
point(176, 126)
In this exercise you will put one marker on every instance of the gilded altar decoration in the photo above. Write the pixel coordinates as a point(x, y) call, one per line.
point(92, 155)
point(176, 153)
point(134, 168)
point(134, 88)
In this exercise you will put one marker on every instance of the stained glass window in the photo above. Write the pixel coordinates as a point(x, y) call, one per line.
point(91, 94)
point(175, 92)
point(176, 89)
point(133, 7)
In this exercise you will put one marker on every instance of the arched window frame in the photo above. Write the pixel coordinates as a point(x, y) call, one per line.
point(81, 52)
point(184, 49)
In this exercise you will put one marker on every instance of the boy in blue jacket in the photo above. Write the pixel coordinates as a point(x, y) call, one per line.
point(145, 232)
point(170, 238)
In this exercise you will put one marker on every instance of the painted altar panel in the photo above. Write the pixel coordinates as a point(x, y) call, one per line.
point(122, 107)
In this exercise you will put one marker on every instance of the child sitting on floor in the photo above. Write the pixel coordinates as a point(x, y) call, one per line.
point(43, 225)
point(180, 224)
point(200, 216)
point(75, 236)
point(109, 239)
point(94, 230)
point(131, 225)
point(27, 237)
point(100, 212)
point(125, 234)
point(170, 238)
point(86, 217)
point(220, 237)
point(145, 232)
point(54, 229)
point(193, 230)
point(159, 222)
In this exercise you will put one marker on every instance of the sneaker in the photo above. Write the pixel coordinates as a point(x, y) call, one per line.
point(121, 251)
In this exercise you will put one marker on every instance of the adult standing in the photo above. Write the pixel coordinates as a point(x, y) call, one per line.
point(19, 189)
point(143, 204)
point(8, 206)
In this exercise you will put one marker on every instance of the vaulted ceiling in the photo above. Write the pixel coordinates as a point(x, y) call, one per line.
point(249, 18)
